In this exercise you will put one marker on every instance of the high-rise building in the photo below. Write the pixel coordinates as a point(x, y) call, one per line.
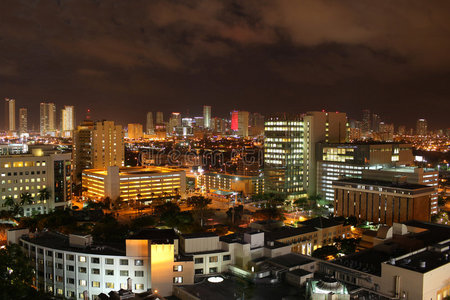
point(366, 122)
point(97, 145)
point(283, 152)
point(421, 127)
point(23, 121)
point(376, 120)
point(239, 123)
point(10, 116)
point(207, 116)
point(386, 132)
point(401, 130)
point(320, 126)
point(67, 121)
point(159, 117)
point(256, 124)
point(218, 125)
point(150, 126)
point(135, 131)
point(174, 122)
point(47, 119)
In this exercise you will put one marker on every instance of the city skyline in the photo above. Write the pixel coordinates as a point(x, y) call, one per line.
point(232, 56)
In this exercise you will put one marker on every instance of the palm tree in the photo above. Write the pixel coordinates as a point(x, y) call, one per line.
point(26, 199)
point(44, 194)
point(200, 203)
point(9, 201)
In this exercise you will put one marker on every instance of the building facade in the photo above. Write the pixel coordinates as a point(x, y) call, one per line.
point(219, 182)
point(97, 145)
point(47, 119)
point(134, 183)
point(206, 116)
point(33, 172)
point(10, 116)
point(68, 121)
point(135, 131)
point(23, 121)
point(382, 202)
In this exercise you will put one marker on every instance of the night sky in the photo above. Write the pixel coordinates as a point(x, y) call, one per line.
point(123, 58)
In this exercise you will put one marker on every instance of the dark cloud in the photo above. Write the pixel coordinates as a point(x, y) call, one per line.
point(390, 56)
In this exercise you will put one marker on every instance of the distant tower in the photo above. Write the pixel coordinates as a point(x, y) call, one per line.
point(207, 116)
point(159, 117)
point(47, 118)
point(421, 127)
point(366, 121)
point(23, 121)
point(150, 129)
point(67, 121)
point(239, 123)
point(10, 115)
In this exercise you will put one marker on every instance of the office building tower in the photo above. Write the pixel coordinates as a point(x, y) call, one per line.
point(366, 122)
point(376, 120)
point(159, 117)
point(320, 126)
point(47, 119)
point(401, 130)
point(239, 123)
point(135, 131)
point(67, 121)
point(23, 121)
point(33, 172)
point(256, 127)
point(348, 160)
point(97, 145)
point(174, 122)
point(421, 127)
point(382, 202)
point(207, 116)
point(10, 116)
point(150, 126)
point(385, 132)
point(283, 152)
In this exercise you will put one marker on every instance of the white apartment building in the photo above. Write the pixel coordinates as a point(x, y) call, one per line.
point(33, 172)
point(72, 266)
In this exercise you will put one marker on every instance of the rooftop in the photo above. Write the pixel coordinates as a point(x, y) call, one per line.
point(155, 235)
point(404, 186)
point(286, 231)
point(198, 235)
point(290, 260)
point(321, 222)
point(130, 171)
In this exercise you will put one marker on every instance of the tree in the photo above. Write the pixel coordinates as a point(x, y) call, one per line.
point(325, 251)
point(44, 194)
point(16, 275)
point(346, 246)
point(9, 201)
point(200, 204)
point(26, 199)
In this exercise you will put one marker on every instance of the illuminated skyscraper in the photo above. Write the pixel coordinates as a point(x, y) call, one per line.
point(239, 123)
point(320, 126)
point(283, 152)
point(67, 121)
point(97, 146)
point(366, 122)
point(47, 119)
point(159, 117)
point(23, 121)
point(207, 116)
point(10, 116)
point(422, 126)
point(174, 122)
point(150, 126)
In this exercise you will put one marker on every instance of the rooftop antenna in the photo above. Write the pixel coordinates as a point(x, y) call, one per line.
point(88, 114)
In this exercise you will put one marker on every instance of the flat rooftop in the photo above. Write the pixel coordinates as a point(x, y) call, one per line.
point(404, 186)
point(286, 232)
point(59, 241)
point(290, 260)
point(231, 287)
point(198, 235)
point(321, 222)
point(132, 171)
point(424, 261)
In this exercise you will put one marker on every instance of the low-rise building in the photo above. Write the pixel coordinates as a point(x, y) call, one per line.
point(382, 202)
point(229, 183)
point(134, 183)
point(71, 265)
